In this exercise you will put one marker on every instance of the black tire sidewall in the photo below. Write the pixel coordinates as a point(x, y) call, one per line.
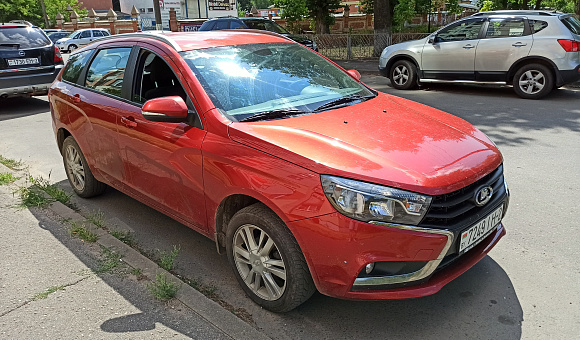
point(294, 261)
point(548, 86)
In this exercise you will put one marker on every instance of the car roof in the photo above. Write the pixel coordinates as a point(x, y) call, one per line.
point(14, 25)
point(187, 41)
point(519, 12)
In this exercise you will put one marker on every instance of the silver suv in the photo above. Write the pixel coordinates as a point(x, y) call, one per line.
point(535, 51)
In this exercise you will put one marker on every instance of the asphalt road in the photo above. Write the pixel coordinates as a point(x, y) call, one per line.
point(526, 288)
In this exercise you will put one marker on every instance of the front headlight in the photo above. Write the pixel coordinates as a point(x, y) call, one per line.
point(372, 202)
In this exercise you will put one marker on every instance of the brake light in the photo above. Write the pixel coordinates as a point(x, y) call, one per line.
point(57, 56)
point(570, 45)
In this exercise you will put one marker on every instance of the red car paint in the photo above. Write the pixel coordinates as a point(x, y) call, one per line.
point(188, 173)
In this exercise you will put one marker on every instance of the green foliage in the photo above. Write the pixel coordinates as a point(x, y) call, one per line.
point(84, 233)
point(10, 163)
point(167, 259)
point(261, 4)
point(320, 11)
point(31, 10)
point(404, 11)
point(162, 289)
point(244, 6)
point(109, 260)
point(487, 5)
point(53, 7)
point(293, 10)
point(7, 178)
point(366, 6)
point(46, 293)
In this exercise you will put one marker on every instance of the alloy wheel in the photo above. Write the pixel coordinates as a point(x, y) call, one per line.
point(259, 262)
point(75, 168)
point(400, 75)
point(532, 81)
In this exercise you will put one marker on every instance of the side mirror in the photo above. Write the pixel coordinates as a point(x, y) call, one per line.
point(432, 39)
point(354, 73)
point(165, 109)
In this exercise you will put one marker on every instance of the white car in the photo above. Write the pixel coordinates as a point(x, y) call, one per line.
point(80, 38)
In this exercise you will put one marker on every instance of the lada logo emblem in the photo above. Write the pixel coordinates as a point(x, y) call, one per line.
point(483, 195)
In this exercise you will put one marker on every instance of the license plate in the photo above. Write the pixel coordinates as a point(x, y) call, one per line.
point(22, 61)
point(472, 236)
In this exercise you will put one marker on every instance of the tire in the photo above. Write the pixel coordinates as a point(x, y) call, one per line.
point(533, 81)
point(274, 274)
point(403, 75)
point(77, 170)
point(71, 48)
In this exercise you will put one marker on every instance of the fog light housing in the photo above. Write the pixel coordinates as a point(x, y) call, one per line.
point(369, 268)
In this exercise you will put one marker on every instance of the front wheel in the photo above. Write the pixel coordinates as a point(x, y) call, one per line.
point(267, 260)
point(79, 175)
point(71, 48)
point(404, 75)
point(533, 81)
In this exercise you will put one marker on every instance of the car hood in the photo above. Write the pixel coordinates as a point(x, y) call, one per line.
point(62, 40)
point(385, 140)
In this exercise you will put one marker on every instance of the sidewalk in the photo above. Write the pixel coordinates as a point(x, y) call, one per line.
point(50, 289)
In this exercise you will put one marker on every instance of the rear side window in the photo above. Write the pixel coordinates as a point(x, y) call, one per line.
point(75, 66)
point(22, 38)
point(221, 25)
point(572, 24)
point(107, 70)
point(503, 28)
point(98, 34)
point(236, 24)
point(537, 25)
point(85, 34)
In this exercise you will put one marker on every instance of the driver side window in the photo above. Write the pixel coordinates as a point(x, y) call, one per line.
point(465, 30)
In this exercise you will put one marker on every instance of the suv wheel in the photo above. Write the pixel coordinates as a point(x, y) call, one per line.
point(403, 75)
point(267, 260)
point(533, 81)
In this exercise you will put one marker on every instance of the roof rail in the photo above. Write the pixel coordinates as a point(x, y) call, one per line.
point(156, 36)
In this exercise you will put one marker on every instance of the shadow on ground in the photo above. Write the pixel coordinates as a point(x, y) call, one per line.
point(12, 108)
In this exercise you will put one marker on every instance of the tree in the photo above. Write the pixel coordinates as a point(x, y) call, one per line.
point(53, 7)
point(20, 10)
point(320, 11)
point(244, 5)
point(293, 11)
point(261, 4)
point(383, 21)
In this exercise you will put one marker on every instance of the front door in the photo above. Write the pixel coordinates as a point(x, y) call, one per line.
point(451, 55)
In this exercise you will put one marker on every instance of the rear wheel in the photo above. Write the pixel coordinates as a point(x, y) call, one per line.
point(533, 81)
point(79, 175)
point(403, 75)
point(71, 48)
point(267, 260)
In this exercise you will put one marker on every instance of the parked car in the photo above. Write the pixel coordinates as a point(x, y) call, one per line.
point(255, 24)
point(48, 31)
point(303, 176)
point(29, 61)
point(535, 51)
point(55, 36)
point(80, 38)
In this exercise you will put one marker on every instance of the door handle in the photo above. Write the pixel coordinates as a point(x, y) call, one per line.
point(468, 46)
point(518, 44)
point(129, 122)
point(76, 98)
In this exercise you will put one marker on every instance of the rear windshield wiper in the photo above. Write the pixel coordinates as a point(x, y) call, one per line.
point(273, 114)
point(343, 100)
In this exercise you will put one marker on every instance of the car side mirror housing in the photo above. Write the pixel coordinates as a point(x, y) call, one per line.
point(354, 73)
point(165, 109)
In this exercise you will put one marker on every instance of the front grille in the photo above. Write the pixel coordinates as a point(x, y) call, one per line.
point(456, 210)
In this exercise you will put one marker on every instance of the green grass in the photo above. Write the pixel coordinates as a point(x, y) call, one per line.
point(137, 271)
point(10, 163)
point(109, 261)
point(209, 291)
point(125, 237)
point(46, 293)
point(97, 218)
point(83, 233)
point(7, 178)
point(31, 198)
point(167, 259)
point(51, 189)
point(162, 289)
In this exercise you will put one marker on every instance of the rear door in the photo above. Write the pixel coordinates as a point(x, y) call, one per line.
point(506, 41)
point(451, 56)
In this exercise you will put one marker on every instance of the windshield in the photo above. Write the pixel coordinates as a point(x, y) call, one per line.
point(248, 79)
point(572, 24)
point(265, 25)
point(23, 38)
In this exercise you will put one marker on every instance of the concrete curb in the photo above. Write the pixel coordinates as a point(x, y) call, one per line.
point(206, 308)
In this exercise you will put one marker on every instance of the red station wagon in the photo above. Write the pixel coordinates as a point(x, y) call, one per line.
point(304, 177)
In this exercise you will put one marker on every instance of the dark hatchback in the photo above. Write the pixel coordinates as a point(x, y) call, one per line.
point(253, 23)
point(29, 61)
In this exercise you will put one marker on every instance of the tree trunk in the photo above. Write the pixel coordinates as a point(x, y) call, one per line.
point(538, 4)
point(383, 24)
point(577, 7)
point(321, 27)
point(525, 4)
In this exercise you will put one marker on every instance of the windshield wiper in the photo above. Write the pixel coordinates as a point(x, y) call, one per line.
point(343, 100)
point(273, 114)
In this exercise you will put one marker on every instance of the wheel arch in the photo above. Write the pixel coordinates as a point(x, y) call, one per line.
point(398, 57)
point(227, 208)
point(61, 135)
point(533, 60)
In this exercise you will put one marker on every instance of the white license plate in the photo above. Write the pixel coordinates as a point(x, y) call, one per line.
point(472, 236)
point(22, 61)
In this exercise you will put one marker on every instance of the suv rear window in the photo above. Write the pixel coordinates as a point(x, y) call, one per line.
point(23, 38)
point(572, 24)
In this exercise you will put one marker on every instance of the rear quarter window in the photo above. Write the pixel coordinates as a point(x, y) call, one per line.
point(572, 24)
point(24, 37)
point(537, 25)
point(75, 65)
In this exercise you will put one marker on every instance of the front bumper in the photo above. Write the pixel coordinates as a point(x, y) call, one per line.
point(27, 82)
point(338, 248)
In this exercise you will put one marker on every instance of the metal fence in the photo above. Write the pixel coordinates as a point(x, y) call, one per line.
point(358, 46)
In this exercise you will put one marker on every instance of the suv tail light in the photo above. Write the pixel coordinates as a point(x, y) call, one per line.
point(570, 45)
point(57, 56)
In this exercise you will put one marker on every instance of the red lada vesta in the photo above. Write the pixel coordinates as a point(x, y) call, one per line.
point(304, 177)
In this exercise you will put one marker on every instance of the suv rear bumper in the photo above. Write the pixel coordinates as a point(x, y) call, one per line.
point(14, 84)
point(569, 76)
